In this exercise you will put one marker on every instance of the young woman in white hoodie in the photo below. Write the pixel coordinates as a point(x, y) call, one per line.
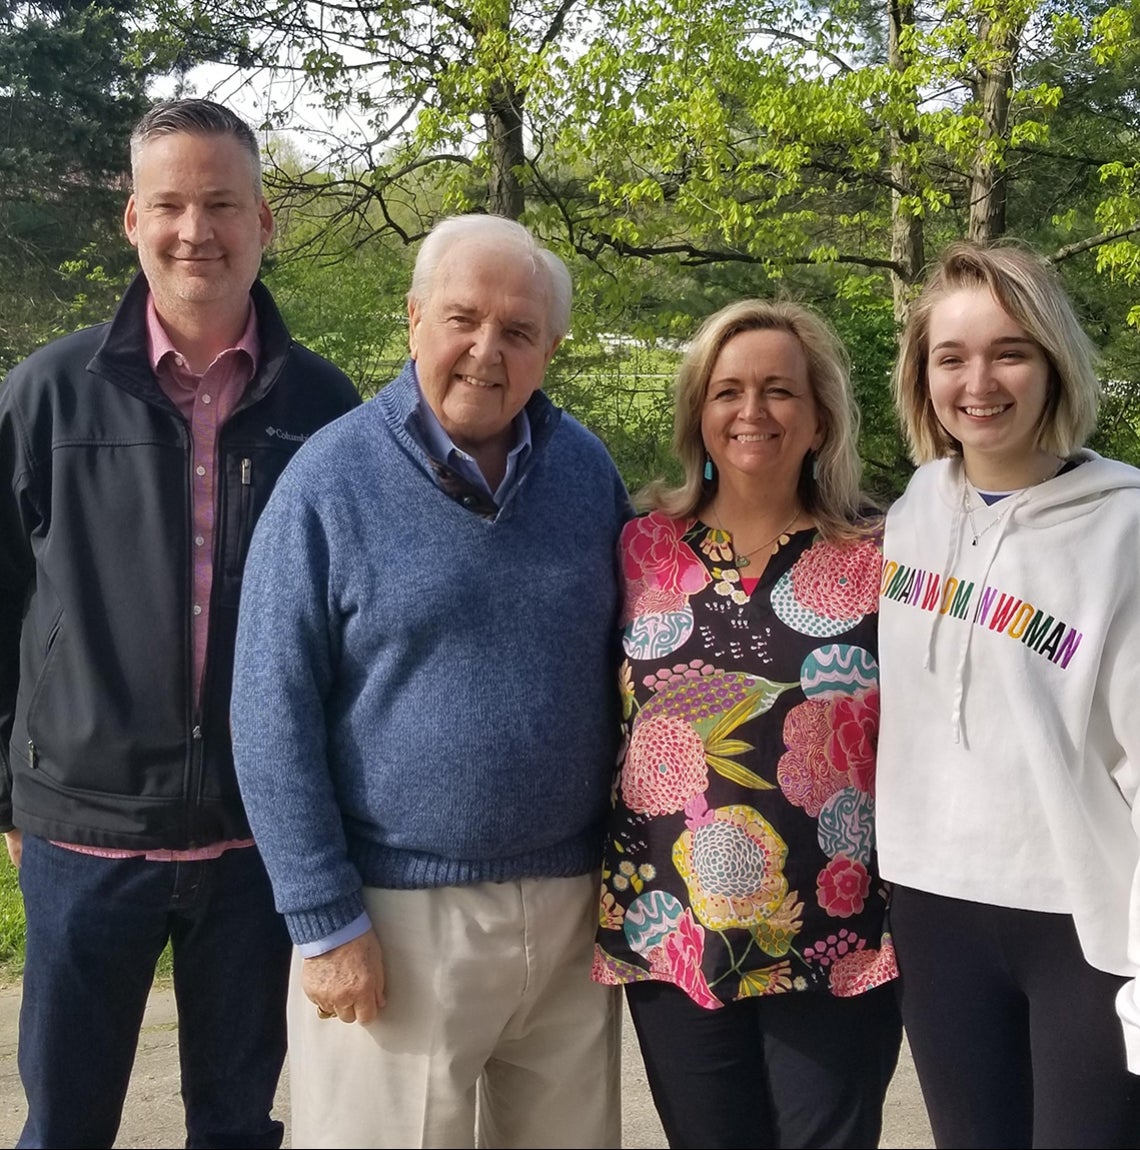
point(1009, 753)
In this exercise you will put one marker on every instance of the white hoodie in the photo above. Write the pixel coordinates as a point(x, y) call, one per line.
point(1009, 746)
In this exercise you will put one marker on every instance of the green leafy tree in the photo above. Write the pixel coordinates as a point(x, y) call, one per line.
point(340, 296)
point(680, 152)
point(73, 79)
point(429, 91)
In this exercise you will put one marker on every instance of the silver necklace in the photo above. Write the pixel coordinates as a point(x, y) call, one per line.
point(967, 486)
point(742, 557)
point(970, 515)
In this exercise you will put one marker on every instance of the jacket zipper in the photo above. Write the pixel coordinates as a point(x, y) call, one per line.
point(193, 765)
point(196, 774)
point(246, 500)
point(234, 561)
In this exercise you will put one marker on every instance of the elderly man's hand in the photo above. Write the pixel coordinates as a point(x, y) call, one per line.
point(14, 840)
point(347, 982)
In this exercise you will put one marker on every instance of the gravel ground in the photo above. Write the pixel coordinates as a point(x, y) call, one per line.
point(153, 1114)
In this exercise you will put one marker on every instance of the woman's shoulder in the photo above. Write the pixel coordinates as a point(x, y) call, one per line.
point(937, 483)
point(656, 524)
point(850, 567)
point(861, 539)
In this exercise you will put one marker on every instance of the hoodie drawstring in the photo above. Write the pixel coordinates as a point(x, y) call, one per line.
point(1002, 521)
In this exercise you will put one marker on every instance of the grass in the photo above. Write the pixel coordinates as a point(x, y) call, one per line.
point(12, 928)
point(11, 922)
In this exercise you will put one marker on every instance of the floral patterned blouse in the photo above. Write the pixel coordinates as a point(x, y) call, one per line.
point(740, 854)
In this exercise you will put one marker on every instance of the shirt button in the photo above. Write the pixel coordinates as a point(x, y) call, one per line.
point(197, 609)
point(199, 541)
point(205, 399)
point(199, 470)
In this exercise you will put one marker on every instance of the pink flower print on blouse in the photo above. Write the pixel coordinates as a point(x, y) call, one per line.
point(611, 971)
point(806, 772)
point(641, 600)
point(684, 952)
point(654, 554)
point(664, 767)
point(854, 736)
point(861, 970)
point(668, 678)
point(683, 731)
point(833, 948)
point(838, 582)
point(698, 813)
point(842, 886)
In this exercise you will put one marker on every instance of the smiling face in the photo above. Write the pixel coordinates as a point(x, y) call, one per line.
point(482, 342)
point(989, 383)
point(199, 224)
point(760, 417)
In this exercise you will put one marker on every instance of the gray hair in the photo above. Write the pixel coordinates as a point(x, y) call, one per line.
point(195, 117)
point(499, 233)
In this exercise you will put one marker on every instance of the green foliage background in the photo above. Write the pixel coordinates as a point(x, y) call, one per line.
point(11, 921)
point(678, 154)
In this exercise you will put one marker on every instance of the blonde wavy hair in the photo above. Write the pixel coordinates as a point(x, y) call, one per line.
point(829, 484)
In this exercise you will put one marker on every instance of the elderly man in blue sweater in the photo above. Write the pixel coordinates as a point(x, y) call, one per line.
point(425, 728)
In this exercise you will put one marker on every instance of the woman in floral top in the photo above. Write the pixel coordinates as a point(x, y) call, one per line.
point(741, 906)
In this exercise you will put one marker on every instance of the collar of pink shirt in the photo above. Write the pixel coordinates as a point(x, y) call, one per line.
point(166, 360)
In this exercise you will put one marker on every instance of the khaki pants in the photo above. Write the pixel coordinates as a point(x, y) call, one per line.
point(493, 1034)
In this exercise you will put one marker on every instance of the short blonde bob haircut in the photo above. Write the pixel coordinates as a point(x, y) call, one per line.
point(1029, 290)
point(829, 480)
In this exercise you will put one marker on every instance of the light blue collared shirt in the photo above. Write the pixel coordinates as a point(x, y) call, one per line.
point(439, 445)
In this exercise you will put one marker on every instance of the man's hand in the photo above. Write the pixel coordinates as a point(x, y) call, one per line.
point(347, 981)
point(15, 842)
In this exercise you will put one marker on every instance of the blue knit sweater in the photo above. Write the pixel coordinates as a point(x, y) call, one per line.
point(424, 696)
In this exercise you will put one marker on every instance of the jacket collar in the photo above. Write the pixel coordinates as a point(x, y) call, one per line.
point(122, 357)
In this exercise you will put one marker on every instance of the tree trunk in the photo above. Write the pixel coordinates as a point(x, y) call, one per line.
point(505, 145)
point(993, 89)
point(906, 227)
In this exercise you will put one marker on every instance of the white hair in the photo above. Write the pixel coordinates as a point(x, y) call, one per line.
point(499, 233)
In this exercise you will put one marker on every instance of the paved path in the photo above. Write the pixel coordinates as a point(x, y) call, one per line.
point(153, 1115)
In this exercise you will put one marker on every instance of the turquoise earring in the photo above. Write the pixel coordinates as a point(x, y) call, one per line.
point(708, 469)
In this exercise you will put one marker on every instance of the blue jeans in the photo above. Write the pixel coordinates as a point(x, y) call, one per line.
point(96, 928)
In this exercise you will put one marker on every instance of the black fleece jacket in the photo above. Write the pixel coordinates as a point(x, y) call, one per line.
point(100, 740)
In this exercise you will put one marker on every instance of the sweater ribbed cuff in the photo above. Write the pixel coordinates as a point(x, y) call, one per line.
point(313, 925)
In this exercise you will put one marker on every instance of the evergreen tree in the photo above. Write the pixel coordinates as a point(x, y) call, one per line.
point(73, 80)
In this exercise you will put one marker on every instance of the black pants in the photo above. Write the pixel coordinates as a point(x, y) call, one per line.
point(1015, 1037)
point(790, 1070)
